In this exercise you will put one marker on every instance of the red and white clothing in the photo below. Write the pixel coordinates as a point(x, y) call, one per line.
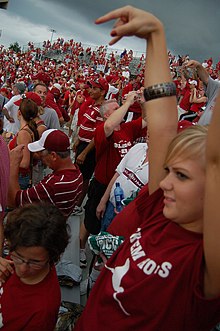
point(132, 170)
point(110, 150)
point(27, 307)
point(61, 188)
point(91, 119)
point(154, 281)
point(13, 112)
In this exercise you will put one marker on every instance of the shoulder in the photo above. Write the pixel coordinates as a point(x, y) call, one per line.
point(26, 134)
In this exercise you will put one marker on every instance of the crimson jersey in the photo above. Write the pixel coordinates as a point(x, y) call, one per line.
point(61, 188)
point(27, 307)
point(91, 119)
point(154, 281)
point(110, 151)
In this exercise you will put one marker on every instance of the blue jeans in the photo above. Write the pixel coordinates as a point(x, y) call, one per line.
point(108, 216)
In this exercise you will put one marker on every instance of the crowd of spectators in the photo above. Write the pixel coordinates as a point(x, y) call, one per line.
point(96, 97)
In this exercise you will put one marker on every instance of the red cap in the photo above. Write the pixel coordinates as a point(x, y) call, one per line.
point(100, 83)
point(43, 77)
point(30, 95)
point(52, 140)
point(55, 91)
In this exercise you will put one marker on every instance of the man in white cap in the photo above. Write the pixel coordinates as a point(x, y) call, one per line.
point(60, 188)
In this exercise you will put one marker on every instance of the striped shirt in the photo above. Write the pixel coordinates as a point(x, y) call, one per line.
point(91, 118)
point(61, 188)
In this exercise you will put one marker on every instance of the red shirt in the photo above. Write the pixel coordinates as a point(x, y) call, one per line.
point(154, 281)
point(90, 120)
point(50, 103)
point(61, 188)
point(30, 307)
point(185, 103)
point(110, 151)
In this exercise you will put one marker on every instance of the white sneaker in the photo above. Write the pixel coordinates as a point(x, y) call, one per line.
point(83, 261)
point(77, 210)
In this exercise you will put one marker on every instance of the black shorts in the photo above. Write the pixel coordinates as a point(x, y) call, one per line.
point(87, 168)
point(95, 193)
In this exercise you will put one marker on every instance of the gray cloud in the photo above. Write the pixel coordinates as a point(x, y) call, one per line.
point(191, 26)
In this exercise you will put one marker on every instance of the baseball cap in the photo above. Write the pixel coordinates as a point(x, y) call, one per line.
point(20, 86)
point(29, 95)
point(193, 82)
point(100, 83)
point(43, 77)
point(58, 86)
point(52, 140)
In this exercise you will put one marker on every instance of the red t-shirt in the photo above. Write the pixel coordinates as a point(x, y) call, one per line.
point(61, 188)
point(154, 281)
point(30, 307)
point(185, 103)
point(50, 103)
point(110, 151)
point(91, 119)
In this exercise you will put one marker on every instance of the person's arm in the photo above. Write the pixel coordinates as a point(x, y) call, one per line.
point(82, 156)
point(6, 114)
point(100, 210)
point(202, 73)
point(211, 207)
point(16, 156)
point(161, 113)
point(118, 115)
point(24, 138)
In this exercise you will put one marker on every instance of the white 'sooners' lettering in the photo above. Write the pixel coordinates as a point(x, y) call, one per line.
point(148, 266)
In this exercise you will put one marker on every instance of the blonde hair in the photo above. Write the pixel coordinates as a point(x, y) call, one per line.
point(188, 144)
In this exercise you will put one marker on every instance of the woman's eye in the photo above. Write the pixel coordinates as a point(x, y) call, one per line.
point(180, 175)
point(166, 169)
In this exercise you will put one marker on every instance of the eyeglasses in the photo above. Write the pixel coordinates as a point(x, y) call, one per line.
point(32, 264)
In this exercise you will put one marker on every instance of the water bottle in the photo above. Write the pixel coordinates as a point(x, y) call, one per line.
point(119, 196)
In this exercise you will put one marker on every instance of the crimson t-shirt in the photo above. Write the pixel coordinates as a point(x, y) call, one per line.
point(154, 280)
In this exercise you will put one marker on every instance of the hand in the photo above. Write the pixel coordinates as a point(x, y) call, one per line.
point(193, 64)
point(16, 155)
point(11, 119)
point(100, 210)
point(131, 22)
point(81, 158)
point(61, 120)
point(131, 97)
point(140, 98)
point(6, 269)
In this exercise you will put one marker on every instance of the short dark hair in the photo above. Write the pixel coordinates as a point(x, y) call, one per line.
point(41, 225)
point(62, 155)
point(40, 84)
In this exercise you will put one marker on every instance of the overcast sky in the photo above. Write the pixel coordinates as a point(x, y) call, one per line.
point(192, 26)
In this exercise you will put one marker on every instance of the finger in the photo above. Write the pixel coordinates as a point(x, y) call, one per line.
point(112, 15)
point(102, 255)
point(114, 41)
point(10, 266)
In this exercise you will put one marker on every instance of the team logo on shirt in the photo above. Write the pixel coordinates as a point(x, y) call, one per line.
point(146, 264)
point(117, 275)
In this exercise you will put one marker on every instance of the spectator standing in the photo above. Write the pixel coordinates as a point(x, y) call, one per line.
point(10, 109)
point(60, 188)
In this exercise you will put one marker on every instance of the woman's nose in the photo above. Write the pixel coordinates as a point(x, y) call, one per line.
point(166, 183)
